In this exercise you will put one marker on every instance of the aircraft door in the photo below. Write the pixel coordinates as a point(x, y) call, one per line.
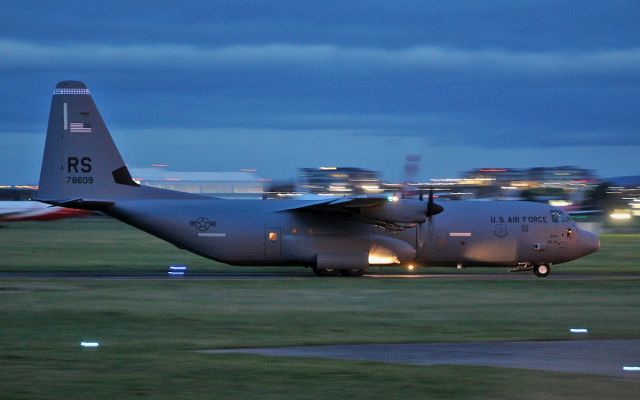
point(272, 243)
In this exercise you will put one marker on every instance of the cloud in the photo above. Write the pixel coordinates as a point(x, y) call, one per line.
point(22, 54)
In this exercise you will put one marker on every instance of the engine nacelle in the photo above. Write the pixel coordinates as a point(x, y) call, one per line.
point(401, 211)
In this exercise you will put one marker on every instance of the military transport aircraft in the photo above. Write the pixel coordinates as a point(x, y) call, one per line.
point(82, 169)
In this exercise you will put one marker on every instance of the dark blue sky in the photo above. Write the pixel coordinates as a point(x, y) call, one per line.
point(272, 85)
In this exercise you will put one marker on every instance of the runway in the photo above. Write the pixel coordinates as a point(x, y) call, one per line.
point(305, 274)
point(595, 357)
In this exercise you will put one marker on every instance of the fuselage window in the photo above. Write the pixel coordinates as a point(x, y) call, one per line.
point(569, 233)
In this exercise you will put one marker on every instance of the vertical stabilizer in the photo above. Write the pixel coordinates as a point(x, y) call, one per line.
point(80, 159)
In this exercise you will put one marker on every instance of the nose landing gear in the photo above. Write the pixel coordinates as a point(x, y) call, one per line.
point(542, 270)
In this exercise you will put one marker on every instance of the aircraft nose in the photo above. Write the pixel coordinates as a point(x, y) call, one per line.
point(589, 242)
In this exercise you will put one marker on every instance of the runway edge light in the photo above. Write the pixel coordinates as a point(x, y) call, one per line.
point(579, 330)
point(177, 270)
point(89, 344)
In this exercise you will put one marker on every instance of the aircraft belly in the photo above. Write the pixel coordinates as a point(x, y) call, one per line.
point(459, 238)
point(491, 251)
point(220, 235)
point(446, 249)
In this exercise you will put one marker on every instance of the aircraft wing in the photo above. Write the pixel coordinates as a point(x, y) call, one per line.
point(337, 204)
point(380, 210)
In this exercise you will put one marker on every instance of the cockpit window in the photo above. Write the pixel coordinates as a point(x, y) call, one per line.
point(559, 216)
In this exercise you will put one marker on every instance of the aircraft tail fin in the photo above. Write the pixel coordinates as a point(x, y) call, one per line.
point(80, 159)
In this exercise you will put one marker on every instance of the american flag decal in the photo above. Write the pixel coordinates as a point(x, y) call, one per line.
point(79, 127)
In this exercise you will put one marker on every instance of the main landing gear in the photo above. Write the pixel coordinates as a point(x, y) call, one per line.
point(542, 270)
point(353, 272)
point(336, 271)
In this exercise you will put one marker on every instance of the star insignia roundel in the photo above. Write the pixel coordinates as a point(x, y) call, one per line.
point(202, 224)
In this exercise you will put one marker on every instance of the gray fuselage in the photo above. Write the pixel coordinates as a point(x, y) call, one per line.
point(262, 232)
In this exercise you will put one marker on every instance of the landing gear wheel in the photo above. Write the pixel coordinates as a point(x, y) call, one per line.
point(325, 271)
point(353, 271)
point(542, 270)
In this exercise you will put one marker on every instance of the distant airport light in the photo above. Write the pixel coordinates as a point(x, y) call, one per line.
point(620, 215)
point(579, 330)
point(328, 168)
point(631, 368)
point(410, 267)
point(559, 203)
point(371, 188)
point(89, 344)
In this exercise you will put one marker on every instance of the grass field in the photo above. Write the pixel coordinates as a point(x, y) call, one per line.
point(148, 329)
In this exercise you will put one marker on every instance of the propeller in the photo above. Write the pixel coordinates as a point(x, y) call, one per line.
point(432, 208)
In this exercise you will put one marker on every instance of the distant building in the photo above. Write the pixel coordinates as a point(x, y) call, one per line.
point(561, 175)
point(489, 175)
point(557, 185)
point(241, 184)
point(18, 193)
point(532, 177)
point(339, 181)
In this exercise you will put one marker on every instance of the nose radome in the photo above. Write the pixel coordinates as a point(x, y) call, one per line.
point(589, 243)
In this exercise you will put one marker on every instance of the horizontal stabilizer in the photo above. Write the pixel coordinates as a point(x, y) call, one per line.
point(80, 204)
